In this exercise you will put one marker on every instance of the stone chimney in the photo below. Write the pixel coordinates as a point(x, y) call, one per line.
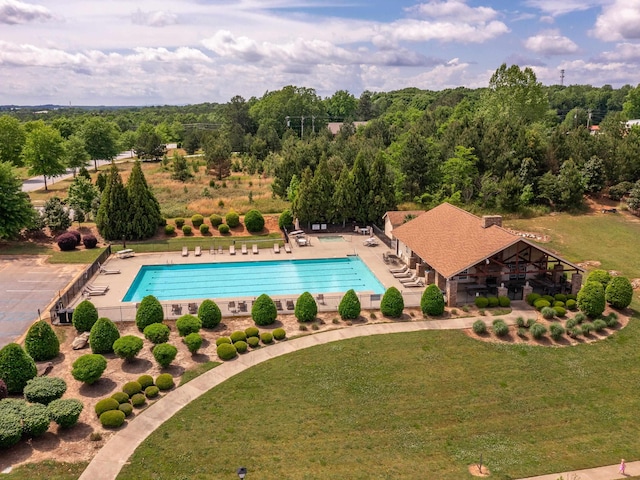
point(488, 220)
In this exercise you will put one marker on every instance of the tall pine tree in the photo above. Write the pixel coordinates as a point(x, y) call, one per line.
point(361, 186)
point(144, 209)
point(382, 191)
point(323, 192)
point(113, 215)
point(344, 202)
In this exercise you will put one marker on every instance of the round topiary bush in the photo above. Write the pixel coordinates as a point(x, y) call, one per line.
point(120, 397)
point(187, 324)
point(560, 297)
point(504, 302)
point(226, 351)
point(164, 354)
point(128, 347)
point(65, 411)
point(493, 302)
point(35, 421)
point(186, 229)
point(179, 222)
point(222, 340)
point(112, 419)
point(77, 235)
point(84, 316)
point(145, 381)
point(41, 342)
point(152, 391)
point(105, 405)
point(263, 310)
point(10, 426)
point(67, 242)
point(538, 331)
point(89, 241)
point(149, 311)
point(392, 303)
point(252, 332)
point(481, 302)
point(44, 389)
point(138, 400)
point(266, 337)
point(601, 276)
point(571, 304)
point(197, 220)
point(591, 299)
point(164, 381)
point(548, 313)
point(89, 368)
point(254, 221)
point(193, 341)
point(16, 367)
point(279, 334)
point(209, 314)
point(253, 342)
point(349, 307)
point(223, 228)
point(131, 388)
point(560, 311)
point(549, 298)
point(532, 297)
point(204, 229)
point(285, 220)
point(103, 335)
point(479, 327)
point(232, 219)
point(541, 303)
point(215, 220)
point(157, 333)
point(126, 408)
point(619, 292)
point(169, 229)
point(556, 331)
point(500, 328)
point(241, 346)
point(432, 301)
point(237, 336)
point(306, 308)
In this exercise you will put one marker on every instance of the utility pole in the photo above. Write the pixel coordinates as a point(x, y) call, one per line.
point(588, 118)
point(562, 77)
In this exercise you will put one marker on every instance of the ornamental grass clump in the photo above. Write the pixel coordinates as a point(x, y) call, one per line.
point(349, 307)
point(164, 354)
point(103, 335)
point(306, 308)
point(611, 319)
point(157, 333)
point(41, 342)
point(599, 325)
point(479, 327)
point(264, 311)
point(556, 331)
point(149, 311)
point(84, 316)
point(538, 331)
point(187, 324)
point(209, 314)
point(548, 313)
point(392, 304)
point(44, 390)
point(500, 328)
point(587, 328)
point(65, 411)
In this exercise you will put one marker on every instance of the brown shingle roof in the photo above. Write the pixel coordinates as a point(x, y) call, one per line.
point(451, 239)
point(397, 217)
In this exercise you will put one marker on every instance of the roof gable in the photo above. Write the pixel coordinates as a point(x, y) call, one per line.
point(397, 217)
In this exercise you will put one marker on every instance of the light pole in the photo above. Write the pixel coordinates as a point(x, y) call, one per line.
point(242, 472)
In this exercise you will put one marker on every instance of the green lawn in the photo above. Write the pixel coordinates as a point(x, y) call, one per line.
point(49, 469)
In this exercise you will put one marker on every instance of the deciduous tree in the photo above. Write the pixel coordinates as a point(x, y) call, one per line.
point(43, 152)
point(101, 139)
point(15, 205)
point(12, 139)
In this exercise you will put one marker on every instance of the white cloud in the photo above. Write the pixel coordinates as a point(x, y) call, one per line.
point(556, 8)
point(13, 12)
point(624, 52)
point(551, 42)
point(154, 19)
point(453, 10)
point(619, 21)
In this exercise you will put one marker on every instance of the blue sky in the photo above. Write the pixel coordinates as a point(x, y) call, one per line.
point(150, 52)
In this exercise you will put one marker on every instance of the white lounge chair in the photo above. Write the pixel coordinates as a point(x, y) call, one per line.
point(411, 279)
point(107, 271)
point(406, 274)
point(417, 283)
point(404, 269)
point(254, 249)
point(370, 242)
point(287, 248)
point(244, 249)
point(185, 251)
point(198, 251)
point(232, 249)
point(276, 247)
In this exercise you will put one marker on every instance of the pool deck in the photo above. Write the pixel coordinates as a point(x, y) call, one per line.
point(110, 304)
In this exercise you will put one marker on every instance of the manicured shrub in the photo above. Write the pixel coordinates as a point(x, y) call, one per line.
point(4, 393)
point(186, 229)
point(169, 229)
point(601, 276)
point(226, 351)
point(548, 313)
point(500, 328)
point(479, 327)
point(131, 388)
point(35, 421)
point(532, 297)
point(41, 342)
point(266, 337)
point(279, 334)
point(149, 311)
point(77, 235)
point(504, 302)
point(263, 310)
point(520, 322)
point(67, 242)
point(193, 341)
point(128, 347)
point(560, 297)
point(126, 408)
point(254, 221)
point(349, 307)
point(89, 368)
point(157, 333)
point(306, 308)
point(619, 292)
point(223, 228)
point(574, 332)
point(432, 301)
point(541, 303)
point(392, 304)
point(530, 322)
point(587, 328)
point(557, 304)
point(204, 229)
point(105, 405)
point(179, 222)
point(103, 335)
point(44, 389)
point(599, 325)
point(84, 316)
point(493, 302)
point(481, 302)
point(580, 317)
point(187, 324)
point(232, 219)
point(571, 304)
point(112, 419)
point(538, 331)
point(16, 367)
point(241, 346)
point(65, 411)
point(10, 426)
point(145, 381)
point(591, 299)
point(89, 241)
point(164, 354)
point(571, 296)
point(164, 381)
point(222, 340)
point(252, 332)
point(197, 220)
point(571, 323)
point(253, 341)
point(215, 220)
point(560, 311)
point(285, 220)
point(138, 400)
point(152, 391)
point(120, 397)
point(209, 314)
point(556, 331)
point(237, 336)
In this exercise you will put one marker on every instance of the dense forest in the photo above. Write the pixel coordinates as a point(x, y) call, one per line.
point(511, 146)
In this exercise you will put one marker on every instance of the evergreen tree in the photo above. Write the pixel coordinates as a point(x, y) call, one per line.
point(303, 205)
point(382, 191)
point(344, 201)
point(181, 170)
point(56, 217)
point(361, 187)
point(113, 215)
point(322, 188)
point(144, 209)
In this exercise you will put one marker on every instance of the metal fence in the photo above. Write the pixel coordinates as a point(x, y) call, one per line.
point(382, 236)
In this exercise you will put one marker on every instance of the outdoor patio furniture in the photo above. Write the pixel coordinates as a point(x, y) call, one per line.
point(126, 253)
point(193, 308)
point(417, 283)
point(107, 271)
point(232, 307)
point(232, 249)
point(212, 250)
point(371, 242)
point(290, 305)
point(244, 249)
point(254, 249)
point(198, 251)
point(276, 247)
point(410, 279)
point(221, 250)
point(176, 309)
point(404, 269)
point(320, 298)
point(185, 251)
point(406, 274)
point(278, 305)
point(242, 306)
point(287, 248)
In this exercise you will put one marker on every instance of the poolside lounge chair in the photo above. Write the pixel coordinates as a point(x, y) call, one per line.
point(254, 249)
point(290, 305)
point(212, 250)
point(276, 248)
point(193, 308)
point(371, 242)
point(320, 298)
point(198, 251)
point(244, 249)
point(287, 248)
point(411, 279)
point(92, 290)
point(185, 251)
point(232, 249)
point(232, 307)
point(221, 250)
point(404, 269)
point(176, 309)
point(417, 283)
point(106, 271)
point(406, 274)
point(278, 305)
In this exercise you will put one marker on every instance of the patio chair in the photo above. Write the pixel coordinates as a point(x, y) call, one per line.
point(417, 283)
point(290, 305)
point(232, 249)
point(185, 251)
point(242, 306)
point(193, 308)
point(287, 248)
point(411, 279)
point(176, 309)
point(232, 307)
point(404, 269)
point(212, 250)
point(221, 250)
point(320, 298)
point(254, 248)
point(107, 271)
point(244, 249)
point(278, 305)
point(370, 242)
point(406, 274)
point(276, 247)
point(198, 251)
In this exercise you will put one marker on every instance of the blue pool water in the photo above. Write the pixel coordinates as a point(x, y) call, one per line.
point(250, 279)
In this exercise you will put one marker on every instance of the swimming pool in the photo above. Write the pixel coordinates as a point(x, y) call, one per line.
point(250, 279)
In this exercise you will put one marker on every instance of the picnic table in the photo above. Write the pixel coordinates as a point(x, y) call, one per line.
point(126, 253)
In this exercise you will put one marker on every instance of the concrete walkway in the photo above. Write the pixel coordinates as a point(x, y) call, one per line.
point(609, 472)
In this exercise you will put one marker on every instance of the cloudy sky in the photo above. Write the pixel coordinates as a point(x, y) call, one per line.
point(143, 52)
